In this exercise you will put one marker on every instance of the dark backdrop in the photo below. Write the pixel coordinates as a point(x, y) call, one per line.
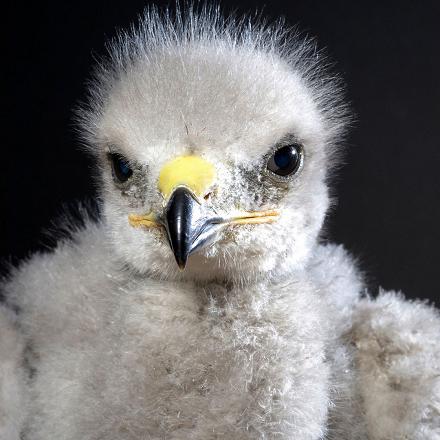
point(388, 213)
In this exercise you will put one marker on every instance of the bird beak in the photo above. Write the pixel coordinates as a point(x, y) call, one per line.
point(189, 223)
point(182, 181)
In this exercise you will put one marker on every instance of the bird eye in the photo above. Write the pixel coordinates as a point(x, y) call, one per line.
point(120, 167)
point(286, 161)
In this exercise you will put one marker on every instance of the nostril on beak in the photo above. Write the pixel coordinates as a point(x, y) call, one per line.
point(212, 193)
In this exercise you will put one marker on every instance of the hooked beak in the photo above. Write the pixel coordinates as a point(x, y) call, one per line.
point(188, 225)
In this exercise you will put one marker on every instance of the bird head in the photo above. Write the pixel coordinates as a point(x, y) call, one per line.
point(214, 141)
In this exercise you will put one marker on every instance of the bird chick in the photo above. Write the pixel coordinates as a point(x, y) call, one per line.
point(202, 304)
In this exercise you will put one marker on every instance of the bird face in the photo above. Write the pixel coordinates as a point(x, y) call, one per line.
point(213, 163)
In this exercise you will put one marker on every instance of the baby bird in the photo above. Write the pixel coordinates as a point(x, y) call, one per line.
point(202, 304)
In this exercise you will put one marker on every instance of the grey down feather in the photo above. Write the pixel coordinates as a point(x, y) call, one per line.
point(268, 332)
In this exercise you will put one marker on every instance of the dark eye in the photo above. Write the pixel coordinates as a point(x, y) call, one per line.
point(120, 167)
point(286, 161)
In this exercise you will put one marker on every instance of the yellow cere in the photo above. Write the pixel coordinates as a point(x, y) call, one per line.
point(191, 171)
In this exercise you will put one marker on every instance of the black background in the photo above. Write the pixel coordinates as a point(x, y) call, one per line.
point(388, 213)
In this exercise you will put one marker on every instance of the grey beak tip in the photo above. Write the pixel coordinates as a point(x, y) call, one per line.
point(181, 260)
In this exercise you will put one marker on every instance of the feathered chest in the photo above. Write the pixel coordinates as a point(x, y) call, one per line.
point(175, 360)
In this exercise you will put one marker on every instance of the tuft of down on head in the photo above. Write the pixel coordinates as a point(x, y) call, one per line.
point(230, 91)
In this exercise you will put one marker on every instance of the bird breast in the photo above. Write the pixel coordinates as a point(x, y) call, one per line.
point(181, 360)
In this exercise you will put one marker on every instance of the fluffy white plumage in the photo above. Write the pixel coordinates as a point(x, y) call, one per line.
point(265, 334)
